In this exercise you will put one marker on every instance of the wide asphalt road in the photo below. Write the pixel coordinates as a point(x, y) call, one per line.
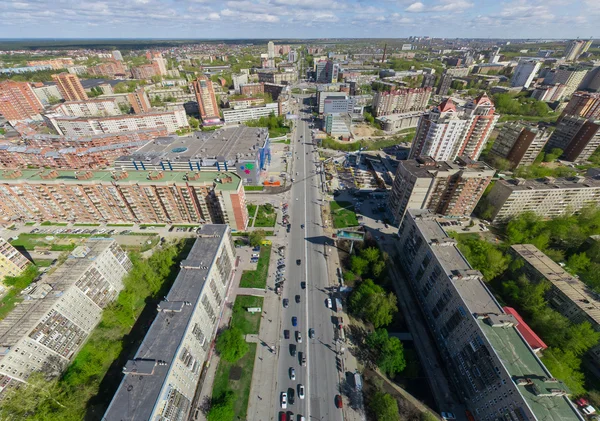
point(319, 377)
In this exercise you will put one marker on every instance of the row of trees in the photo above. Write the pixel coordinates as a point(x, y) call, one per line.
point(520, 105)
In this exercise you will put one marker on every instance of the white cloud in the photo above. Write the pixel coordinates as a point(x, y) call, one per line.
point(452, 6)
point(416, 8)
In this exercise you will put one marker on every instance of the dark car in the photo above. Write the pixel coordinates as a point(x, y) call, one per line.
point(302, 359)
point(293, 350)
point(338, 401)
point(297, 298)
point(311, 333)
point(294, 321)
point(302, 226)
point(286, 302)
point(299, 262)
point(303, 285)
point(286, 334)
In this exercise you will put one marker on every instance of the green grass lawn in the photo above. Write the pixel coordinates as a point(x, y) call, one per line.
point(152, 225)
point(86, 225)
point(28, 224)
point(251, 209)
point(43, 263)
point(245, 233)
point(253, 188)
point(119, 225)
point(58, 224)
point(248, 323)
point(266, 216)
point(16, 285)
point(257, 278)
point(343, 217)
point(241, 387)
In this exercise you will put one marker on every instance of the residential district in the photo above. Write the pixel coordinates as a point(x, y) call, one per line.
point(402, 229)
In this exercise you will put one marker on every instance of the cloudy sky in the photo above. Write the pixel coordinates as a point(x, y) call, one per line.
point(298, 18)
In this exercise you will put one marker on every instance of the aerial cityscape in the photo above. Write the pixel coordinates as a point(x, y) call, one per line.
point(291, 211)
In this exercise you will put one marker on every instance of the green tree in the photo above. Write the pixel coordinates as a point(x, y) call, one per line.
point(121, 88)
point(52, 100)
point(125, 108)
point(378, 269)
point(388, 352)
point(553, 155)
point(580, 338)
point(484, 257)
point(384, 407)
point(194, 123)
point(578, 263)
point(231, 344)
point(256, 237)
point(222, 408)
point(565, 365)
point(370, 302)
point(358, 265)
point(370, 254)
point(39, 396)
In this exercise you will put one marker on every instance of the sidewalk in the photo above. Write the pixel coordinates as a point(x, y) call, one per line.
point(263, 390)
point(349, 363)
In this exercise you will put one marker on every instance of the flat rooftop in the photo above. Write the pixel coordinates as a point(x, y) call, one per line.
point(400, 116)
point(138, 392)
point(573, 288)
point(468, 281)
point(133, 177)
point(40, 296)
point(228, 144)
point(426, 167)
point(550, 183)
point(520, 362)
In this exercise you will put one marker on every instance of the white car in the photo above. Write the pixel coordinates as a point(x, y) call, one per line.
point(299, 337)
point(283, 400)
point(448, 416)
point(329, 303)
point(301, 391)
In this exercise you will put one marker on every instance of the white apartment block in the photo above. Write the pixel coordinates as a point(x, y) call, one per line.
point(88, 126)
point(570, 77)
point(48, 328)
point(47, 93)
point(89, 108)
point(548, 198)
point(247, 114)
point(161, 381)
point(12, 262)
point(524, 73)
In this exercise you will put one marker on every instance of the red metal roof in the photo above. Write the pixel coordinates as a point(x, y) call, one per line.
point(530, 336)
point(447, 105)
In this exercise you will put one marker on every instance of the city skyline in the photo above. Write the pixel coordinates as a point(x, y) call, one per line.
point(295, 18)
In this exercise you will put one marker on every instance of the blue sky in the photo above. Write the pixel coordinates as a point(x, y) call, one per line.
point(298, 18)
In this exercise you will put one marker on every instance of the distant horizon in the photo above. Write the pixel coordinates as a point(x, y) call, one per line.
point(294, 19)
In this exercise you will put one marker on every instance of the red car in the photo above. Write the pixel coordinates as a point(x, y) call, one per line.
point(338, 401)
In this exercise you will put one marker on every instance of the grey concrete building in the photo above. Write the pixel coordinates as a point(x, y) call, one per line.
point(490, 364)
point(567, 294)
point(160, 382)
point(519, 144)
point(47, 329)
point(548, 197)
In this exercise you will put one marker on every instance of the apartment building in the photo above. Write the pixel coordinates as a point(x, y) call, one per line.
point(88, 108)
point(338, 124)
point(567, 294)
point(490, 365)
point(396, 122)
point(139, 101)
point(326, 71)
point(18, 101)
point(251, 113)
point(524, 73)
point(47, 329)
point(109, 69)
point(88, 126)
point(571, 77)
point(251, 89)
point(450, 188)
point(401, 101)
point(325, 95)
point(549, 93)
point(144, 72)
point(207, 101)
point(12, 262)
point(575, 48)
point(47, 94)
point(519, 143)
point(60, 152)
point(161, 380)
point(124, 196)
point(583, 104)
point(448, 76)
point(578, 137)
point(70, 87)
point(548, 197)
point(238, 80)
point(285, 78)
